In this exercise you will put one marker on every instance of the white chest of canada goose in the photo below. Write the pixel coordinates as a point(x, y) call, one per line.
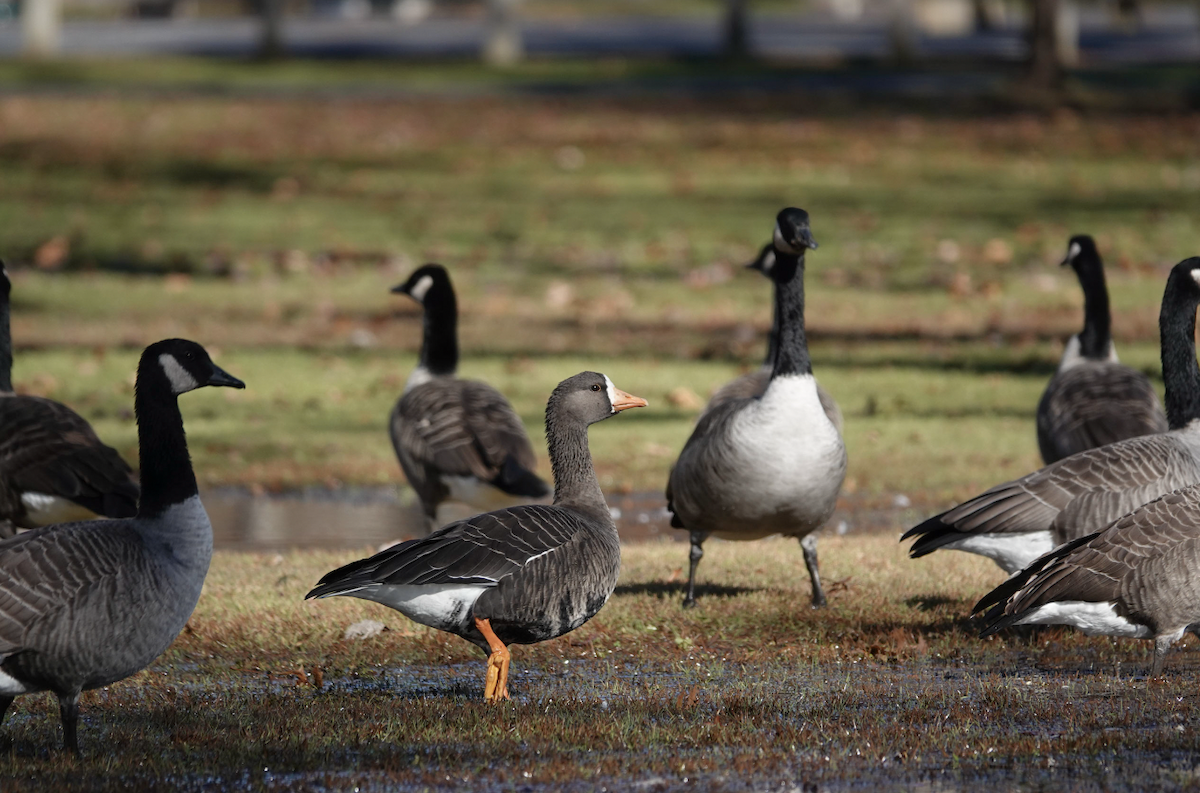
point(784, 460)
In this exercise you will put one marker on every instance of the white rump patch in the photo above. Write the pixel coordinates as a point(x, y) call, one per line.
point(783, 245)
point(1073, 251)
point(612, 393)
point(1012, 552)
point(1094, 619)
point(181, 379)
point(10, 686)
point(420, 288)
point(435, 605)
point(42, 509)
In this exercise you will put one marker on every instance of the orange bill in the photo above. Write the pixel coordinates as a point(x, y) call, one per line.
point(624, 401)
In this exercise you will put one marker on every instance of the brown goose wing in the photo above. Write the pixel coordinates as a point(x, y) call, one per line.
point(1095, 404)
point(48, 448)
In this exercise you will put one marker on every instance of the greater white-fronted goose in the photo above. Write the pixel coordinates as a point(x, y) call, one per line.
point(519, 575)
point(1137, 579)
point(83, 605)
point(53, 468)
point(1093, 400)
point(457, 440)
point(771, 464)
point(1016, 522)
point(752, 384)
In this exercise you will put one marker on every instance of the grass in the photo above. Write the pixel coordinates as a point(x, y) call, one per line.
point(886, 687)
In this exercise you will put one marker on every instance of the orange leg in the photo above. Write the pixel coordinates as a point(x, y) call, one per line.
point(496, 687)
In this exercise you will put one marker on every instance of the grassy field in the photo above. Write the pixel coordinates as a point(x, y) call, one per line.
point(601, 234)
point(888, 688)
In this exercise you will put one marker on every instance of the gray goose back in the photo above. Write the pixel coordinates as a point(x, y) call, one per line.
point(1093, 400)
point(457, 440)
point(753, 384)
point(86, 604)
point(771, 464)
point(53, 468)
point(534, 571)
point(1018, 521)
point(1137, 578)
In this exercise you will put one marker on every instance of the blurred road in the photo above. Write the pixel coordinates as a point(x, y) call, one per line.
point(1168, 34)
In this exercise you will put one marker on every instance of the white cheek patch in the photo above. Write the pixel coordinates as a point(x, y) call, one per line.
point(1073, 251)
point(781, 244)
point(1196, 276)
point(180, 378)
point(612, 394)
point(420, 288)
point(768, 262)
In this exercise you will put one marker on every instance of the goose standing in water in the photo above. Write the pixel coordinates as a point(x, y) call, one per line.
point(1136, 579)
point(1092, 400)
point(519, 575)
point(457, 440)
point(752, 384)
point(771, 464)
point(1018, 521)
point(86, 604)
point(53, 468)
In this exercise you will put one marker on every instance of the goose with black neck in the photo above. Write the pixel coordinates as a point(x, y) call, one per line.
point(773, 463)
point(53, 467)
point(1018, 521)
point(1093, 400)
point(514, 576)
point(86, 604)
point(457, 440)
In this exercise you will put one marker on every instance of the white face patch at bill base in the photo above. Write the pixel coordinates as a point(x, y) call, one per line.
point(181, 379)
point(1073, 251)
point(420, 288)
point(612, 394)
point(783, 245)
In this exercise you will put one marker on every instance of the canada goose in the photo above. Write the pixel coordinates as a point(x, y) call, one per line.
point(86, 604)
point(1018, 521)
point(457, 440)
point(53, 468)
point(1092, 400)
point(771, 464)
point(752, 384)
point(519, 575)
point(1136, 578)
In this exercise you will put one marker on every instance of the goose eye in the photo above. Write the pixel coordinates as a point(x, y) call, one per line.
point(595, 387)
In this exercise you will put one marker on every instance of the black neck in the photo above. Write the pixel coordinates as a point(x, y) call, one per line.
point(439, 346)
point(1096, 336)
point(575, 482)
point(164, 465)
point(1181, 375)
point(6, 358)
point(791, 356)
point(772, 338)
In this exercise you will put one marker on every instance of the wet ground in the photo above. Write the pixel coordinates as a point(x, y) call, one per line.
point(372, 516)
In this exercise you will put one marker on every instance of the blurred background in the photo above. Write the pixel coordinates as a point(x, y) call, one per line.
point(255, 176)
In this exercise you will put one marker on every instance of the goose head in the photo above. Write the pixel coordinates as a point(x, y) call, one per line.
point(185, 366)
point(426, 282)
point(1080, 248)
point(792, 232)
point(589, 397)
point(765, 260)
point(1184, 280)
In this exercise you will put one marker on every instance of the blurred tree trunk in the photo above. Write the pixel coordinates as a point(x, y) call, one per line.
point(1053, 42)
point(41, 27)
point(270, 43)
point(736, 37)
point(502, 45)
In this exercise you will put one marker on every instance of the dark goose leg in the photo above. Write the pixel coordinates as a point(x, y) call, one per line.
point(808, 543)
point(697, 553)
point(496, 687)
point(68, 711)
